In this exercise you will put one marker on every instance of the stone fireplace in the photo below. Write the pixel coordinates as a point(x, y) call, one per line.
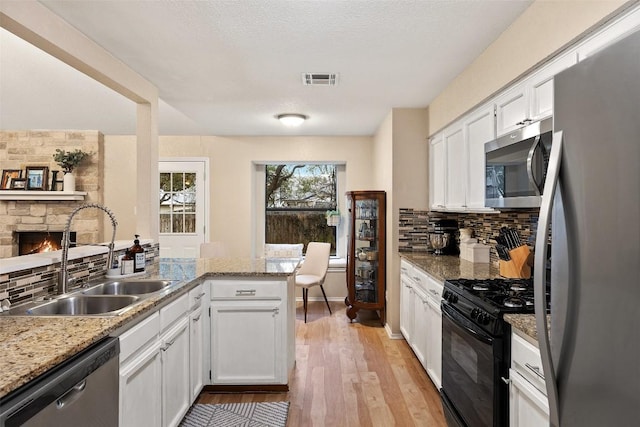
point(19, 149)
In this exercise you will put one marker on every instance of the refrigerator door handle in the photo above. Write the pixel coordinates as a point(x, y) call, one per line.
point(539, 285)
point(532, 152)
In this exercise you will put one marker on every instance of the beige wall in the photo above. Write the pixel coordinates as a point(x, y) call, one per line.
point(400, 159)
point(231, 176)
point(541, 31)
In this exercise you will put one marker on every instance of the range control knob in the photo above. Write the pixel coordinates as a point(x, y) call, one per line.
point(454, 298)
point(474, 313)
point(484, 318)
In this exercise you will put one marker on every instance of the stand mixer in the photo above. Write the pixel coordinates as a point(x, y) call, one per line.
point(438, 242)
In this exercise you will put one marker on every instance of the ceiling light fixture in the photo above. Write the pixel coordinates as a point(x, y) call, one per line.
point(292, 120)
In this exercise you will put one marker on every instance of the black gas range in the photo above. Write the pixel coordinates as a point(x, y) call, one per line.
point(476, 348)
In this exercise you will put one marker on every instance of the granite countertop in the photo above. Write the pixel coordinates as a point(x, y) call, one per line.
point(31, 345)
point(444, 267)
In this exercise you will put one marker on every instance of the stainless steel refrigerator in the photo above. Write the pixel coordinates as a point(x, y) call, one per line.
point(591, 354)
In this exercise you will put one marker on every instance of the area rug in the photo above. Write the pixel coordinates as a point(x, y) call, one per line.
point(260, 414)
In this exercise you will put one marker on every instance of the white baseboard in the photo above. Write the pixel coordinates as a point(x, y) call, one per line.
point(397, 336)
point(332, 299)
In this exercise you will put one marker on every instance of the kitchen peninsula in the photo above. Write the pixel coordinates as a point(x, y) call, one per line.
point(243, 293)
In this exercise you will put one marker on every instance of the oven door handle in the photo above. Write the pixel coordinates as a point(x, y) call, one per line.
point(465, 324)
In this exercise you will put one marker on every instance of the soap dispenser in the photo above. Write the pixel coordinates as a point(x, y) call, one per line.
point(138, 254)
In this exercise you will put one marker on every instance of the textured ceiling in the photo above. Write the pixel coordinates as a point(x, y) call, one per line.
point(228, 67)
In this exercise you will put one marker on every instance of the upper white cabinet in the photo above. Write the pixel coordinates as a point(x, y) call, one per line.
point(456, 162)
point(611, 33)
point(531, 99)
point(437, 167)
point(456, 167)
point(479, 128)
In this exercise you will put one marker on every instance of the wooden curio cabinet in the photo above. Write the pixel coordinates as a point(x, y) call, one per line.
point(366, 252)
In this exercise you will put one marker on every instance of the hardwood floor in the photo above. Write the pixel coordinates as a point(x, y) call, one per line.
point(350, 374)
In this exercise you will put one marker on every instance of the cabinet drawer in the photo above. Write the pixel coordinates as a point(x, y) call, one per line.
point(420, 279)
point(173, 311)
point(138, 336)
point(406, 268)
point(525, 359)
point(195, 296)
point(434, 289)
point(249, 289)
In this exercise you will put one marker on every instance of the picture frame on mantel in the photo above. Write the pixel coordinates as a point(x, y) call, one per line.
point(8, 175)
point(19, 184)
point(37, 177)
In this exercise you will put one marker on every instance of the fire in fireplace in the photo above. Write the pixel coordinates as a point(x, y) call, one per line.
point(33, 242)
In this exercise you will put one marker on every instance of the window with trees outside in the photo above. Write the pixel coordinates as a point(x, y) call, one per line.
point(298, 197)
point(177, 202)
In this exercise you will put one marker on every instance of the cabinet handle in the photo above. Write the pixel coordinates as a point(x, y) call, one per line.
point(535, 370)
point(195, 319)
point(506, 380)
point(199, 296)
point(245, 292)
point(276, 311)
point(417, 279)
point(167, 345)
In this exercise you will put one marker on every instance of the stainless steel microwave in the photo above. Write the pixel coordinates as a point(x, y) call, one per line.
point(516, 166)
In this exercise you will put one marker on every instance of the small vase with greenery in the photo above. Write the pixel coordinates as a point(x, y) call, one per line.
point(68, 160)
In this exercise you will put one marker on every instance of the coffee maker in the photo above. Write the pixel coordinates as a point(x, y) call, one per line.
point(450, 227)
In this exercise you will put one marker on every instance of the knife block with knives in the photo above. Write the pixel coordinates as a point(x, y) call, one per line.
point(514, 256)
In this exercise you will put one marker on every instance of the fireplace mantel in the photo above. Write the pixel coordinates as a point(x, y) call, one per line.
point(41, 195)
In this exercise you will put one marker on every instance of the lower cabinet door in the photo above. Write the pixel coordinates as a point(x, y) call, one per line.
point(434, 344)
point(528, 407)
point(196, 321)
point(176, 394)
point(420, 326)
point(140, 389)
point(247, 342)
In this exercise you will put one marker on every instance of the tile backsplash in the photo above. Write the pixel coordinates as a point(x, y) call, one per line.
point(415, 226)
point(36, 283)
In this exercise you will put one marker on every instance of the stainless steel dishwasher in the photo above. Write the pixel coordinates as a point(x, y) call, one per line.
point(82, 391)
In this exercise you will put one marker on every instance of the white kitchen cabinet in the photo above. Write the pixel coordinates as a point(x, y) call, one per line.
point(406, 301)
point(255, 357)
point(176, 395)
point(196, 341)
point(250, 335)
point(480, 128)
point(531, 99)
point(613, 32)
point(421, 318)
point(433, 328)
point(527, 406)
point(437, 168)
point(434, 342)
point(154, 368)
point(421, 325)
point(140, 390)
point(528, 403)
point(456, 167)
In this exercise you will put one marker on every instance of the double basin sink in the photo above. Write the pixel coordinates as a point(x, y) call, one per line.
point(108, 298)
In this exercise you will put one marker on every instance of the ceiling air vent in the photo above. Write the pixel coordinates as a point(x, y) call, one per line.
point(319, 79)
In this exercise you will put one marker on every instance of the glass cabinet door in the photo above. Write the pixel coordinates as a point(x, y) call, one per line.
point(366, 251)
